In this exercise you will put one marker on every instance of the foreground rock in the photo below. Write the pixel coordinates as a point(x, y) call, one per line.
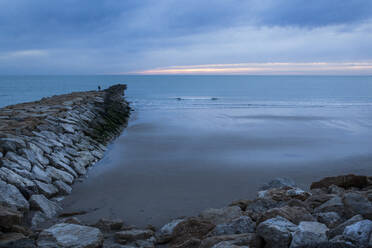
point(70, 235)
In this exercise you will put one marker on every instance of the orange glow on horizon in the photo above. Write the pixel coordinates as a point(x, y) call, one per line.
point(266, 68)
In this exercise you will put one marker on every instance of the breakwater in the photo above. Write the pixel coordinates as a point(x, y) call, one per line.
point(46, 145)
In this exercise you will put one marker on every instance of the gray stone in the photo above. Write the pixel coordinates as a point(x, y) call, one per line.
point(258, 206)
point(69, 128)
point(251, 240)
point(60, 175)
point(331, 219)
point(338, 230)
point(277, 232)
point(86, 158)
point(227, 244)
point(12, 165)
point(79, 167)
point(41, 174)
point(10, 196)
point(65, 235)
point(61, 164)
point(46, 189)
point(356, 203)
point(309, 233)
point(63, 188)
point(221, 215)
point(47, 207)
point(35, 156)
point(335, 204)
point(13, 178)
point(45, 148)
point(165, 233)
point(243, 224)
point(359, 232)
point(279, 182)
point(12, 144)
point(24, 163)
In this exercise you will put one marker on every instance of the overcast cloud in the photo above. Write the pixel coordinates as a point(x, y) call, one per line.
point(119, 36)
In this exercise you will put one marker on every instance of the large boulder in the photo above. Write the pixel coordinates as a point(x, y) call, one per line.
point(330, 219)
point(10, 196)
point(359, 233)
point(277, 232)
point(356, 203)
point(243, 224)
point(309, 233)
point(293, 214)
point(40, 202)
point(191, 229)
point(279, 182)
point(46, 189)
point(339, 229)
point(70, 235)
point(24, 163)
point(346, 182)
point(165, 233)
point(334, 204)
point(221, 215)
point(284, 194)
point(258, 206)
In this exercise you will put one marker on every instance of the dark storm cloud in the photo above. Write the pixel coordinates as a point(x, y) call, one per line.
point(106, 36)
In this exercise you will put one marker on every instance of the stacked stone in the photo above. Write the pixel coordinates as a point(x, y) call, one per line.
point(46, 145)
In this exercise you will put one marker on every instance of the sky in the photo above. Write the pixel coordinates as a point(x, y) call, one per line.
point(186, 37)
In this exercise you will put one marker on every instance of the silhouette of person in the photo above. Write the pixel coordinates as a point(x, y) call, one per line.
point(99, 88)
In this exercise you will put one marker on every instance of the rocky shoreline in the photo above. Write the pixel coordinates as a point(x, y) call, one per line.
point(46, 145)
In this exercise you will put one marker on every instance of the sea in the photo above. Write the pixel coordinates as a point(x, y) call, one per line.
point(195, 142)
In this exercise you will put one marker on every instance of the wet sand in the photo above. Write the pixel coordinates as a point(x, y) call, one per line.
point(171, 163)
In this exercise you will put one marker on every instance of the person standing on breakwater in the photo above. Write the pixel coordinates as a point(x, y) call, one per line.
point(99, 88)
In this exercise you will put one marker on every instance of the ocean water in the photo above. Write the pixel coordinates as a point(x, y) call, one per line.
point(195, 142)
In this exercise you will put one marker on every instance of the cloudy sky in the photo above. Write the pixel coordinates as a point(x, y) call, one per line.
point(193, 36)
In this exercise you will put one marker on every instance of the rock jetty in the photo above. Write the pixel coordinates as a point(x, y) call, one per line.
point(46, 145)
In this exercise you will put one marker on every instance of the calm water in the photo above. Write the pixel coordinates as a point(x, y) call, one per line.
point(202, 141)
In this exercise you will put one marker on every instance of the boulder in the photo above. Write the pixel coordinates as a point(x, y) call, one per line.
point(79, 167)
point(15, 240)
point(243, 224)
point(221, 215)
point(10, 196)
point(279, 182)
point(284, 194)
point(346, 182)
point(62, 187)
point(70, 235)
point(258, 206)
point(165, 233)
point(9, 217)
point(316, 200)
point(330, 219)
point(20, 182)
point(60, 175)
point(12, 144)
point(41, 174)
point(277, 232)
point(40, 202)
point(59, 164)
point(293, 214)
point(334, 204)
point(309, 233)
point(356, 203)
point(46, 189)
point(226, 244)
point(338, 230)
point(359, 233)
point(191, 229)
point(37, 218)
point(34, 154)
point(124, 237)
point(24, 163)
